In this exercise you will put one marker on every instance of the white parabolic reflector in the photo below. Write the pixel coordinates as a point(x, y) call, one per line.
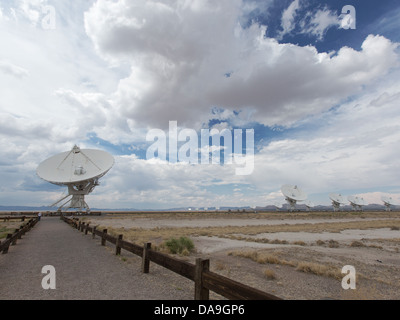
point(75, 166)
point(309, 204)
point(387, 200)
point(337, 198)
point(293, 193)
point(357, 200)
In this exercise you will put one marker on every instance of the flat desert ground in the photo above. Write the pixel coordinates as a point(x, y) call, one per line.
point(290, 255)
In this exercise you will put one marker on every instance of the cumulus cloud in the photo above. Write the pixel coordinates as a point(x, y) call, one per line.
point(355, 148)
point(192, 61)
point(162, 184)
point(180, 54)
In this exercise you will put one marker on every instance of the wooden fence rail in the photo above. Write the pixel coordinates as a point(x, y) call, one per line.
point(13, 237)
point(9, 218)
point(204, 279)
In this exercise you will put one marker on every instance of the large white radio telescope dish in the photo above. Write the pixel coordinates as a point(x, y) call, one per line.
point(337, 201)
point(79, 170)
point(357, 202)
point(292, 195)
point(388, 202)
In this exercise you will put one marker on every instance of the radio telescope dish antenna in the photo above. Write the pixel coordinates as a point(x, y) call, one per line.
point(388, 202)
point(337, 201)
point(292, 195)
point(357, 202)
point(309, 204)
point(79, 170)
point(277, 205)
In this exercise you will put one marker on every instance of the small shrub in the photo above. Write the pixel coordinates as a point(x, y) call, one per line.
point(299, 243)
point(269, 274)
point(183, 245)
point(357, 244)
point(318, 269)
point(333, 244)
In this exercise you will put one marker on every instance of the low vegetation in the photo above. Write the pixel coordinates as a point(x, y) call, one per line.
point(303, 266)
point(8, 227)
point(183, 245)
point(158, 235)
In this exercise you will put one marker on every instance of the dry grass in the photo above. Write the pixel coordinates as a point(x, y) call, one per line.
point(303, 266)
point(357, 244)
point(251, 215)
point(259, 257)
point(9, 227)
point(319, 269)
point(269, 274)
point(142, 235)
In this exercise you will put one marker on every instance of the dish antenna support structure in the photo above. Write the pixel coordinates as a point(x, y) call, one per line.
point(356, 202)
point(79, 170)
point(337, 201)
point(292, 195)
point(309, 204)
point(388, 202)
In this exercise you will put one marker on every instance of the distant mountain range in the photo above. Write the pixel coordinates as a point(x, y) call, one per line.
point(300, 207)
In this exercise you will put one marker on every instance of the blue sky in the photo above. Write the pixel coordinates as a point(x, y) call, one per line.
point(322, 98)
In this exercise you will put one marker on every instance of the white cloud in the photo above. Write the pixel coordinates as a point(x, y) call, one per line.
point(12, 69)
point(178, 72)
point(169, 60)
point(356, 147)
point(288, 18)
point(321, 21)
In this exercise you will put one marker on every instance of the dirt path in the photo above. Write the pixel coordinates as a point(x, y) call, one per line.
point(84, 269)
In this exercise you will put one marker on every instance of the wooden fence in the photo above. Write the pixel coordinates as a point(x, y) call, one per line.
point(9, 218)
point(13, 237)
point(204, 279)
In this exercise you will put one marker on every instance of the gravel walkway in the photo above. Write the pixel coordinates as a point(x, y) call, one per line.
point(84, 269)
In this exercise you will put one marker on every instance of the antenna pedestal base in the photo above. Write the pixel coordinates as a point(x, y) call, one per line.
point(291, 204)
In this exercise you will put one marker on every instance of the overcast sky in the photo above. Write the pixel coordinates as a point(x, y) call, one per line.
point(320, 89)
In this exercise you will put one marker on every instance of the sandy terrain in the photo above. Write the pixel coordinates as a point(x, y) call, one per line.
point(305, 252)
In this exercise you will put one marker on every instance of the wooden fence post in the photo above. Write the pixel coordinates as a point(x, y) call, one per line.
point(103, 237)
point(94, 232)
point(15, 238)
point(20, 230)
point(201, 293)
point(118, 245)
point(145, 258)
point(5, 250)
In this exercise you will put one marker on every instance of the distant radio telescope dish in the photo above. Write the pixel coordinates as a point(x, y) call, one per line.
point(337, 201)
point(309, 204)
point(388, 202)
point(79, 170)
point(357, 202)
point(277, 205)
point(292, 195)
